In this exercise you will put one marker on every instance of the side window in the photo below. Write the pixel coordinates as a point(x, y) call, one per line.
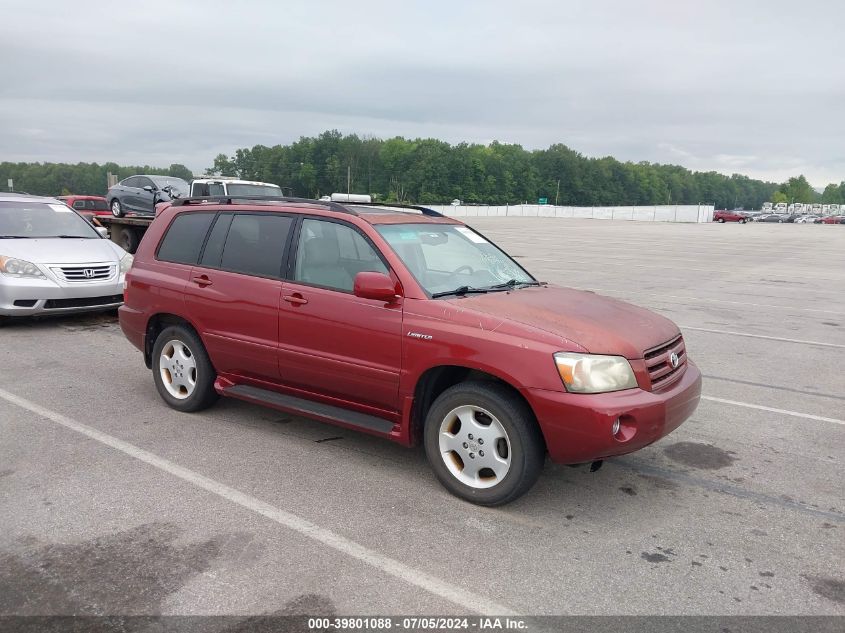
point(216, 189)
point(213, 252)
point(330, 254)
point(144, 182)
point(199, 189)
point(130, 182)
point(255, 244)
point(183, 241)
point(79, 204)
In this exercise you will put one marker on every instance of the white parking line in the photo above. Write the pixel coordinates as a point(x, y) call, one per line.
point(760, 407)
point(769, 338)
point(454, 594)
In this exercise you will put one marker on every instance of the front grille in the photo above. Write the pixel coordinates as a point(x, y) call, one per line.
point(83, 302)
point(98, 272)
point(660, 369)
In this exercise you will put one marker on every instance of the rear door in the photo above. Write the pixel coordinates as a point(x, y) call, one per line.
point(234, 292)
point(331, 342)
point(127, 194)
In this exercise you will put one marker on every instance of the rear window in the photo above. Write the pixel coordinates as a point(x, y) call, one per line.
point(183, 241)
point(255, 244)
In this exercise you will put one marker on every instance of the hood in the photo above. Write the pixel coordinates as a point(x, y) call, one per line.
point(62, 251)
point(601, 325)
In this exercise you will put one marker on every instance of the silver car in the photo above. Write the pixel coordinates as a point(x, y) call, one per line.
point(53, 261)
point(140, 194)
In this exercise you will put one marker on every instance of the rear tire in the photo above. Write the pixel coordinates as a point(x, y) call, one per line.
point(127, 239)
point(742, 221)
point(721, 220)
point(116, 208)
point(473, 417)
point(182, 371)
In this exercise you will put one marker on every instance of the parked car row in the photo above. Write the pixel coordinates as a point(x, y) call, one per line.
point(742, 217)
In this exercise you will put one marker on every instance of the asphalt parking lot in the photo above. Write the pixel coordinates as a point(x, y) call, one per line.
point(112, 503)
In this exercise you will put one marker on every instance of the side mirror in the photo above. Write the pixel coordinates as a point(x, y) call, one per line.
point(370, 285)
point(103, 231)
point(149, 188)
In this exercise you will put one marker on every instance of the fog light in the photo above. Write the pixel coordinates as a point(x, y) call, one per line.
point(615, 428)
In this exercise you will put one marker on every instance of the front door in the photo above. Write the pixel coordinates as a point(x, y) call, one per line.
point(330, 341)
point(145, 199)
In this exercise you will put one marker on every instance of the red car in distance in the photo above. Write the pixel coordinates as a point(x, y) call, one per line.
point(87, 205)
point(729, 216)
point(832, 219)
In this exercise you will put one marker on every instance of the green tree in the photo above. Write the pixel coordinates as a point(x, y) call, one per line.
point(832, 194)
point(797, 189)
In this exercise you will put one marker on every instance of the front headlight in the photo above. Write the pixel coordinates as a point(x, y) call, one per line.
point(590, 373)
point(19, 268)
point(126, 263)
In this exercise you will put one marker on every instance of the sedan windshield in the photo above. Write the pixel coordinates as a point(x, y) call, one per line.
point(237, 189)
point(39, 219)
point(451, 259)
point(178, 185)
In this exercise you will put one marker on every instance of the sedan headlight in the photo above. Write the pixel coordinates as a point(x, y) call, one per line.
point(19, 268)
point(126, 263)
point(590, 373)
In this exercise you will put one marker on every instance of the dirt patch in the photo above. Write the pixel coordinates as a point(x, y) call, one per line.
point(131, 572)
point(703, 456)
point(831, 588)
point(656, 557)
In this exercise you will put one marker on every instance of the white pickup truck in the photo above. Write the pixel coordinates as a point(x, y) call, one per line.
point(216, 186)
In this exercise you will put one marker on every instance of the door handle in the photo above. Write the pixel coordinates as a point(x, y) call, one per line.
point(202, 281)
point(296, 299)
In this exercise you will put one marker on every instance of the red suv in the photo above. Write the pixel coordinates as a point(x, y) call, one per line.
point(729, 216)
point(405, 324)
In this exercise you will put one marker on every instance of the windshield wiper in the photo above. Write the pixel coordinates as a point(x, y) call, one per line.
point(459, 291)
point(71, 237)
point(513, 283)
point(15, 237)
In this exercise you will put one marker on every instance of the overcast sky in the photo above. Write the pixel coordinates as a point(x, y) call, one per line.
point(756, 87)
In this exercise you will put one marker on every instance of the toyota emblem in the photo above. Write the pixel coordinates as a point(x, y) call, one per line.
point(674, 360)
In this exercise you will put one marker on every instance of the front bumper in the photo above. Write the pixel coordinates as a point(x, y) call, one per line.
point(28, 297)
point(578, 427)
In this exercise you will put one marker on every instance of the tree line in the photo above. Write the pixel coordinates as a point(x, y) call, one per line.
point(62, 179)
point(432, 171)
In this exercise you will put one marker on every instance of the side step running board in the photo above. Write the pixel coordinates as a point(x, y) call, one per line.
point(310, 408)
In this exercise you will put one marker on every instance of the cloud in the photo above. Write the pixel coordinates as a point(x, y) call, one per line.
point(724, 86)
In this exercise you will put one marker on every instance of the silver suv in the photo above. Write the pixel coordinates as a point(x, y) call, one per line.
point(53, 261)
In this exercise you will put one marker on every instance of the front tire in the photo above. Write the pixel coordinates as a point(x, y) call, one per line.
point(182, 371)
point(742, 221)
point(721, 220)
point(483, 443)
point(116, 208)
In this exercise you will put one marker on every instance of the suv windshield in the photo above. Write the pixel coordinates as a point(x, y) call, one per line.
point(453, 259)
point(254, 190)
point(41, 219)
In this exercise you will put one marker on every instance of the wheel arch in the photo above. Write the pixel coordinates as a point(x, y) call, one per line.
point(155, 325)
point(437, 379)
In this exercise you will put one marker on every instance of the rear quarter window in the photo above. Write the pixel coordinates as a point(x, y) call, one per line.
point(184, 238)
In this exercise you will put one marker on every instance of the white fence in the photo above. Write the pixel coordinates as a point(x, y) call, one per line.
point(659, 213)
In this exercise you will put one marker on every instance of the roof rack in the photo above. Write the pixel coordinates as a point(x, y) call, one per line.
point(331, 206)
point(424, 210)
